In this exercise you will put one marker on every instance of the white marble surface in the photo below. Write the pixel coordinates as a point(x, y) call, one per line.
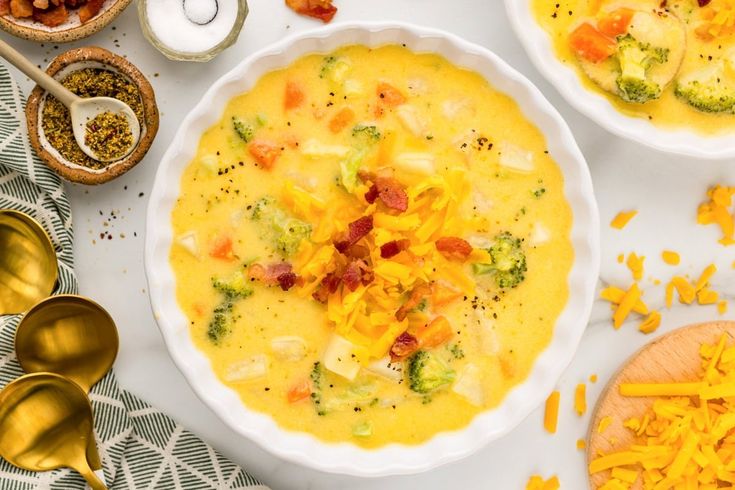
point(666, 190)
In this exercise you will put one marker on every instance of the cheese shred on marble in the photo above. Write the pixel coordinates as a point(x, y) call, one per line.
point(687, 437)
point(622, 219)
point(537, 482)
point(551, 413)
point(717, 211)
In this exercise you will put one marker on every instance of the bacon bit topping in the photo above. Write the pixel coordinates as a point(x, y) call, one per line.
point(318, 9)
point(372, 194)
point(454, 248)
point(703, 3)
point(271, 275)
point(391, 249)
point(417, 295)
point(329, 285)
point(357, 273)
point(392, 193)
point(357, 230)
point(405, 345)
point(287, 280)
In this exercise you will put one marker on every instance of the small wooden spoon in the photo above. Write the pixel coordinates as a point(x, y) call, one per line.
point(671, 358)
point(82, 110)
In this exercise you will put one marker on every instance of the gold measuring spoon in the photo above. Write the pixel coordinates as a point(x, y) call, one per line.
point(45, 424)
point(28, 268)
point(72, 336)
point(82, 110)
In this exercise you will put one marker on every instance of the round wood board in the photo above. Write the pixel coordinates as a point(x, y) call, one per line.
point(673, 357)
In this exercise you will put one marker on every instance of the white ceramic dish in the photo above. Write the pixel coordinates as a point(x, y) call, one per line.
point(540, 49)
point(346, 458)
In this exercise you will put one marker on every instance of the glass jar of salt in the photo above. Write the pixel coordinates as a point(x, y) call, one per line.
point(191, 30)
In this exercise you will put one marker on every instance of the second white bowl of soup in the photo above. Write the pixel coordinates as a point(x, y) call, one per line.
point(658, 73)
point(372, 249)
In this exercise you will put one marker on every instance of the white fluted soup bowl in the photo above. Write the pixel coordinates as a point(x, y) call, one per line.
point(347, 458)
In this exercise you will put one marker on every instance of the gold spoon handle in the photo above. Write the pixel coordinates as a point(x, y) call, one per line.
point(90, 476)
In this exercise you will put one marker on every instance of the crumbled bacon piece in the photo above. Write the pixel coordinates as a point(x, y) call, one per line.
point(372, 194)
point(4, 7)
point(51, 17)
point(417, 295)
point(329, 285)
point(357, 230)
point(454, 248)
point(357, 273)
point(392, 193)
point(703, 3)
point(287, 280)
point(271, 275)
point(21, 9)
point(404, 345)
point(90, 9)
point(319, 9)
point(391, 249)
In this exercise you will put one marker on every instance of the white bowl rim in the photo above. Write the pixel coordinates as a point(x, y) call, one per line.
point(597, 107)
point(393, 459)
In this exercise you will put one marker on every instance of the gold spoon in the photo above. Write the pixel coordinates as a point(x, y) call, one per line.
point(45, 424)
point(72, 336)
point(28, 268)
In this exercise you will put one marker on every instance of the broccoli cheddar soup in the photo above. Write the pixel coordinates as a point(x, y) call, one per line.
point(372, 246)
point(672, 62)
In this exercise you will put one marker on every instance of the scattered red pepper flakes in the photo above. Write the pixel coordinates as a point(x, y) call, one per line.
point(635, 264)
point(551, 412)
point(622, 219)
point(670, 257)
point(717, 211)
point(580, 399)
point(318, 9)
point(538, 483)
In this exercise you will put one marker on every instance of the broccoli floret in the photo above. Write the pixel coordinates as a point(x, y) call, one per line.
point(317, 378)
point(635, 60)
point(508, 264)
point(428, 373)
point(286, 232)
point(707, 90)
point(327, 65)
point(243, 129)
point(232, 290)
point(367, 134)
point(235, 288)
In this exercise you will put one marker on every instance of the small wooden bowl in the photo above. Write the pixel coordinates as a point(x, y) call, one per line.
point(71, 30)
point(68, 62)
point(671, 358)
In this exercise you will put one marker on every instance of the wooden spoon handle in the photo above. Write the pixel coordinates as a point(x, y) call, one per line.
point(36, 74)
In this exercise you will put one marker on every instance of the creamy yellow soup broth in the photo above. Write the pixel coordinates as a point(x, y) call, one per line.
point(372, 246)
point(695, 75)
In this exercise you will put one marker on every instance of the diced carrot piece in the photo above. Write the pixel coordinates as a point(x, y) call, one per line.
point(341, 120)
point(442, 295)
point(591, 44)
point(265, 152)
point(299, 391)
point(436, 333)
point(222, 248)
point(294, 96)
point(616, 22)
point(389, 95)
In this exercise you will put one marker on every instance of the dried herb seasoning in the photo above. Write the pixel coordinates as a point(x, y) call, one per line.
point(109, 136)
point(87, 82)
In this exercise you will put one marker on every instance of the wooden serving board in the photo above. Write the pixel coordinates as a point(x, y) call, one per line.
point(673, 357)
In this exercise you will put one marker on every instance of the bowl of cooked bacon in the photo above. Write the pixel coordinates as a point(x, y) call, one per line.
point(57, 20)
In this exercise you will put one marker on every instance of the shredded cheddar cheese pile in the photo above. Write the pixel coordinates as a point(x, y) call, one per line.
point(366, 315)
point(687, 438)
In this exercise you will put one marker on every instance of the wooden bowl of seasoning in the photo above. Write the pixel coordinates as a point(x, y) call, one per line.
point(88, 72)
point(60, 21)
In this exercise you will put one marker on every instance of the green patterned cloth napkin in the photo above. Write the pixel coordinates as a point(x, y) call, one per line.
point(141, 448)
